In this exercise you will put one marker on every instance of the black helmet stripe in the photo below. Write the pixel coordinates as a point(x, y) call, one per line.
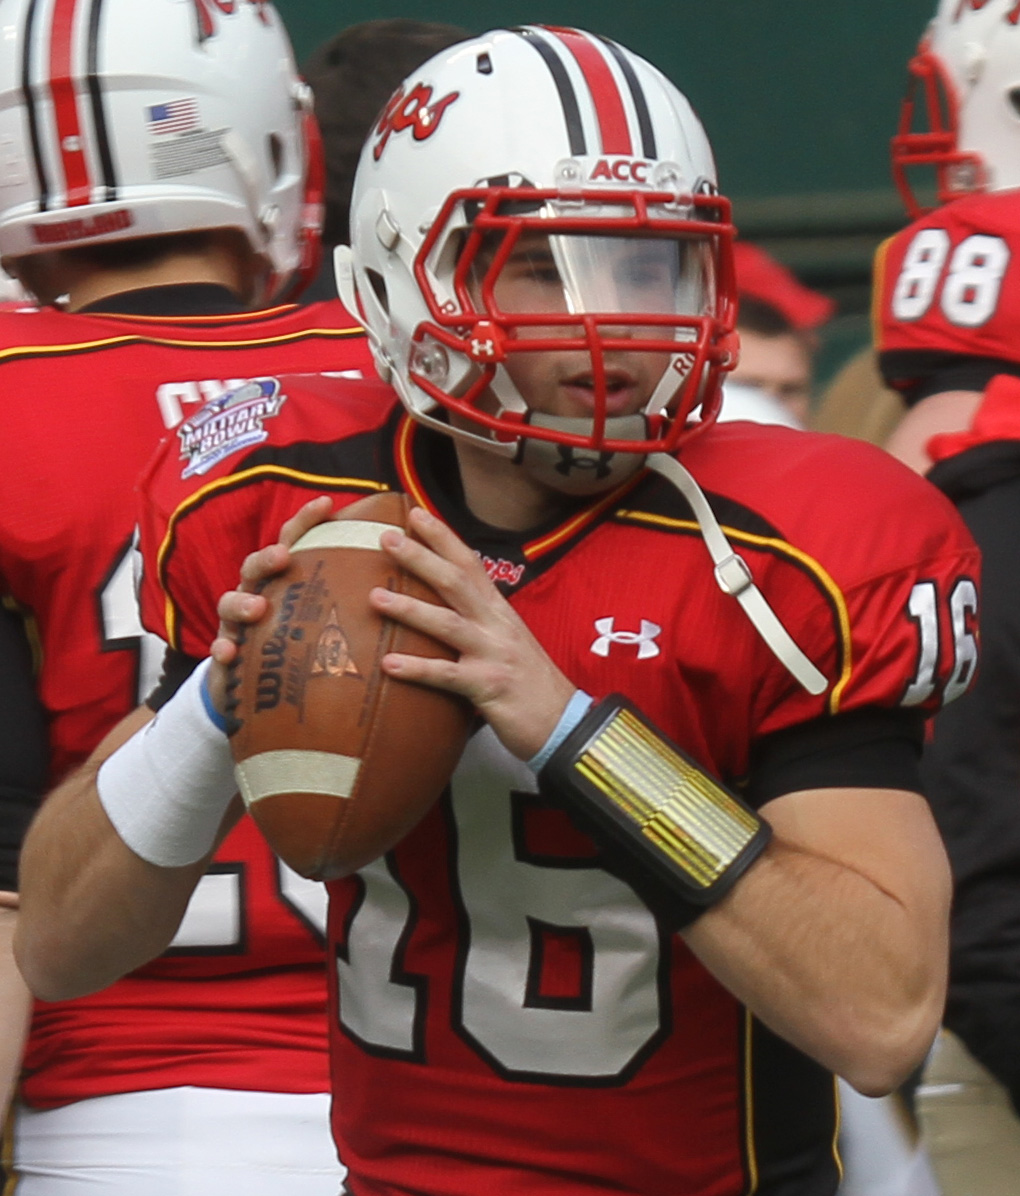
point(42, 179)
point(98, 109)
point(568, 98)
point(40, 43)
point(644, 115)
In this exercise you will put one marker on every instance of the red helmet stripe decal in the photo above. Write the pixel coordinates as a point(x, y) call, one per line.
point(70, 140)
point(637, 95)
point(609, 108)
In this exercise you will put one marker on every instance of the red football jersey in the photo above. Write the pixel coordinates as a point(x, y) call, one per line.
point(508, 1016)
point(87, 400)
point(949, 285)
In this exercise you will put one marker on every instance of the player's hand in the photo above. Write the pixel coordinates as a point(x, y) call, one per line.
point(502, 669)
point(244, 606)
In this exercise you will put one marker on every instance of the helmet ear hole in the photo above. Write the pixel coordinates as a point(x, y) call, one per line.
point(378, 285)
point(1014, 99)
point(275, 154)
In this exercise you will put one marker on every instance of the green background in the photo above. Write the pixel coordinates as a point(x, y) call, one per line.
point(799, 98)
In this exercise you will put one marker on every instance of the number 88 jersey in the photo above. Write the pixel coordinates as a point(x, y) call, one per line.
point(947, 297)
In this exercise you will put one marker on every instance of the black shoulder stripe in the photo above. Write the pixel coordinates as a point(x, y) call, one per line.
point(309, 462)
point(33, 118)
point(98, 108)
point(644, 115)
point(568, 97)
point(656, 496)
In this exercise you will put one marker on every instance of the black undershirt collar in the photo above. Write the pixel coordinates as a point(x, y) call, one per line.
point(176, 299)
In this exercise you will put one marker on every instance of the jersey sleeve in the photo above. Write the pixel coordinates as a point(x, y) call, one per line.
point(892, 619)
point(196, 525)
point(947, 297)
point(193, 549)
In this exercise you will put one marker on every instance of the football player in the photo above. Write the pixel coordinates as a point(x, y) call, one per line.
point(161, 189)
point(529, 993)
point(948, 302)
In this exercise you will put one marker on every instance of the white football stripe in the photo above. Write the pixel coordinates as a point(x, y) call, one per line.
point(344, 533)
point(295, 771)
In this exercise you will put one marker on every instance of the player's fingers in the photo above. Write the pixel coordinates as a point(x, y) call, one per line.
point(315, 511)
point(223, 650)
point(237, 607)
point(259, 566)
point(442, 539)
point(440, 622)
point(454, 572)
point(438, 673)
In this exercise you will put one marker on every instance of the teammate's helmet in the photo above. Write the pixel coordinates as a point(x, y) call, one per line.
point(560, 155)
point(133, 118)
point(965, 91)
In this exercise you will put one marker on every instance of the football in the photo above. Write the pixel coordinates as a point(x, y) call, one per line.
point(336, 762)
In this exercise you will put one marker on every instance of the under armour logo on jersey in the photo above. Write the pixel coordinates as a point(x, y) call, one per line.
point(573, 459)
point(644, 639)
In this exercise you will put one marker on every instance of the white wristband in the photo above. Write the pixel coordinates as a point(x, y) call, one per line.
point(573, 712)
point(167, 788)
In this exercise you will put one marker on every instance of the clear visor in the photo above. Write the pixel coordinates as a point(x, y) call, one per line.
point(573, 274)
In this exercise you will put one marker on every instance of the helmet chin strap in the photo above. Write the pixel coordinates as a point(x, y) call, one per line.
point(584, 472)
point(581, 471)
point(734, 577)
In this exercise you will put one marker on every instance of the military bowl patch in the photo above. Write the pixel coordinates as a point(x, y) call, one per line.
point(234, 421)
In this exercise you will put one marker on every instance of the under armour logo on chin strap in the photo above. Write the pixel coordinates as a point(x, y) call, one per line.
point(571, 459)
point(644, 639)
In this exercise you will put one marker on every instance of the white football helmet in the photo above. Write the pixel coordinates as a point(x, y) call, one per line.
point(559, 155)
point(965, 92)
point(133, 118)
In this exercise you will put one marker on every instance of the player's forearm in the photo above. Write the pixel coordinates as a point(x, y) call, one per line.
point(91, 909)
point(15, 1006)
point(851, 973)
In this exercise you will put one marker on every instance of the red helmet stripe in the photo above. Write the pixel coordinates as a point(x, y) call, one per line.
point(609, 108)
point(70, 139)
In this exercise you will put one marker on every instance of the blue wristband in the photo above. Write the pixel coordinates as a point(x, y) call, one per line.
point(573, 712)
point(217, 719)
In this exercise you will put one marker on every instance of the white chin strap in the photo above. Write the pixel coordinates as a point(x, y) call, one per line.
point(734, 577)
point(581, 472)
point(585, 472)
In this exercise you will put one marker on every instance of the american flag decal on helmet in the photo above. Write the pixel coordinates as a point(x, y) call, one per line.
point(60, 56)
point(604, 106)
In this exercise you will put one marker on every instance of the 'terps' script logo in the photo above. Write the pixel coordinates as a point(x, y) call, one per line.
point(412, 110)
